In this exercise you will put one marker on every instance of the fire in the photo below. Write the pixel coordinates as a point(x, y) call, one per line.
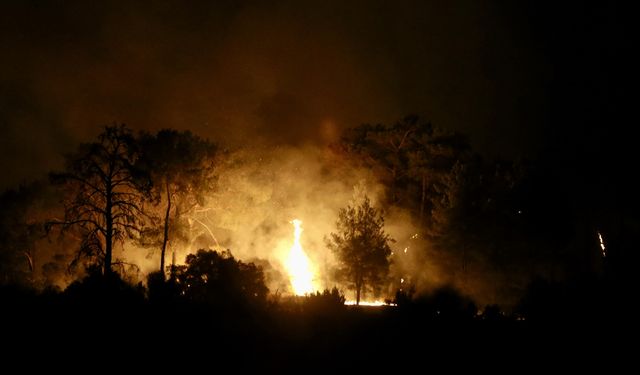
point(369, 303)
point(604, 249)
point(298, 264)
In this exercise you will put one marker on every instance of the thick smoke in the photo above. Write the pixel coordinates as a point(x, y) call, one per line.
point(253, 74)
point(261, 190)
point(286, 71)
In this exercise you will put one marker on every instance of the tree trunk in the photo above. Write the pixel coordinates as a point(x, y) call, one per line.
point(172, 271)
point(424, 198)
point(358, 288)
point(464, 268)
point(165, 238)
point(108, 236)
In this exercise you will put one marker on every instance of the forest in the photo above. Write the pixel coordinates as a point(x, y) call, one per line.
point(394, 225)
point(317, 186)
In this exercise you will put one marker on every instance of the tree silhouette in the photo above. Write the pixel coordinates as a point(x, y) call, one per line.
point(410, 156)
point(210, 277)
point(361, 246)
point(103, 194)
point(180, 165)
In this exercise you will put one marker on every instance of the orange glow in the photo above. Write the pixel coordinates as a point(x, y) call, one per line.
point(369, 303)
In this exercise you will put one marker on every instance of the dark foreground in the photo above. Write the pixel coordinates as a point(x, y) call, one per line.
point(136, 333)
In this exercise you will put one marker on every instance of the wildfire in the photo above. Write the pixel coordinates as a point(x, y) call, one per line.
point(298, 264)
point(369, 303)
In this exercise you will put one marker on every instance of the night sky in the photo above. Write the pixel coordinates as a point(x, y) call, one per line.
point(518, 79)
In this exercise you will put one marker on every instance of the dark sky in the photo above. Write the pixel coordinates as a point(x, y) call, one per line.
point(511, 76)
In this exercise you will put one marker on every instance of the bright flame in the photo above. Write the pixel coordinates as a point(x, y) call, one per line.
point(604, 249)
point(369, 303)
point(298, 264)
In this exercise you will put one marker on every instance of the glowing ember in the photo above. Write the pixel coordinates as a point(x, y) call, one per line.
point(298, 264)
point(369, 303)
point(604, 249)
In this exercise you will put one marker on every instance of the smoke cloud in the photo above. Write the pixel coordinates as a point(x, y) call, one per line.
point(278, 72)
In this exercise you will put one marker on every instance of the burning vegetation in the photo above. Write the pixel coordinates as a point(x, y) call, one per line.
point(264, 202)
point(392, 213)
point(299, 266)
